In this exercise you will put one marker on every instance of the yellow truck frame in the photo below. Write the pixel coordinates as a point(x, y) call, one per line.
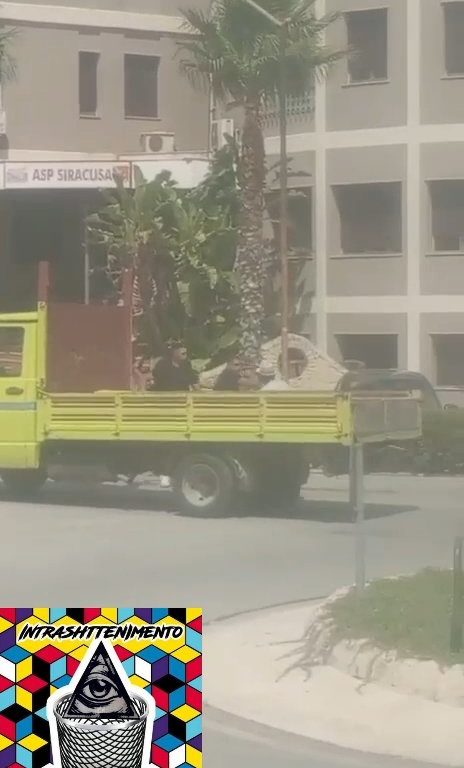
point(211, 443)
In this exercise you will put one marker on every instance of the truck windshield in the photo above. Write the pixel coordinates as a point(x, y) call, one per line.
point(11, 351)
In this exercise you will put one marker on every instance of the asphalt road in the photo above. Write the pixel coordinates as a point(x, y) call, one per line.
point(115, 545)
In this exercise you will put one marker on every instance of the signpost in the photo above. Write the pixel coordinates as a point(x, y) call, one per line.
point(357, 501)
point(457, 615)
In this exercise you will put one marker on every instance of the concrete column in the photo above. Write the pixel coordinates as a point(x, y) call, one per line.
point(320, 203)
point(413, 191)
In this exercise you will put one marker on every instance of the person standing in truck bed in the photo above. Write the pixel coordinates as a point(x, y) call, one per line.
point(174, 373)
point(229, 379)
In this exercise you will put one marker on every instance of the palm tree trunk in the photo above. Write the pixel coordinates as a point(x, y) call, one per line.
point(250, 252)
point(145, 279)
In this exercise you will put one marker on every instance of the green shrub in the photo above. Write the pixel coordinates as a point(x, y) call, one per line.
point(410, 614)
point(442, 441)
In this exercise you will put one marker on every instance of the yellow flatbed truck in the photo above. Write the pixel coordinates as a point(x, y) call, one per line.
point(55, 411)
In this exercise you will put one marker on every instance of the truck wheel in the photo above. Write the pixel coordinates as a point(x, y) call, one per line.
point(203, 484)
point(24, 482)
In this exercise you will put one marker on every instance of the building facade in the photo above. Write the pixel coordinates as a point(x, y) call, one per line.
point(382, 145)
point(97, 89)
point(93, 76)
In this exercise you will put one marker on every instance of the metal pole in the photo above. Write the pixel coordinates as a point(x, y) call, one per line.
point(85, 210)
point(284, 201)
point(457, 609)
point(357, 495)
point(351, 470)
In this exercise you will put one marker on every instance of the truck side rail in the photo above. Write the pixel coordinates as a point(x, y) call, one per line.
point(279, 417)
point(382, 416)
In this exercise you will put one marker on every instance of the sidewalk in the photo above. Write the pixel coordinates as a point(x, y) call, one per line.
point(247, 660)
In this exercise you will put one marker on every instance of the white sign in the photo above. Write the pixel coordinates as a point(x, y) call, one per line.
point(65, 175)
point(185, 172)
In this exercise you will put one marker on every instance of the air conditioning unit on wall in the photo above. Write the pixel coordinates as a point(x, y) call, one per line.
point(219, 130)
point(157, 142)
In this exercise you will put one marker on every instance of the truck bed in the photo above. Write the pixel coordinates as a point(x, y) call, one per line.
point(271, 417)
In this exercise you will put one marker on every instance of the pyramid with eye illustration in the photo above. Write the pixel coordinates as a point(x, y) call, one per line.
point(100, 693)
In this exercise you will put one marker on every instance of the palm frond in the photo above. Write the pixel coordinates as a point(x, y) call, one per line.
point(8, 68)
point(236, 51)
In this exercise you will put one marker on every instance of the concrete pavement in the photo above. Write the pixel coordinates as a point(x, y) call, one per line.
point(263, 682)
point(231, 741)
point(110, 545)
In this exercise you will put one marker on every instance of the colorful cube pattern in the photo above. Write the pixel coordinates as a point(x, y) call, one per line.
point(170, 670)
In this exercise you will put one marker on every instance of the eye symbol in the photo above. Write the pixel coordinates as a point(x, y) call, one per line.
point(100, 689)
point(100, 693)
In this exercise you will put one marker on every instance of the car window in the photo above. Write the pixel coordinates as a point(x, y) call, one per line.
point(11, 352)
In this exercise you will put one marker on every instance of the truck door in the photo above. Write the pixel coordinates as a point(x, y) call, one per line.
point(18, 395)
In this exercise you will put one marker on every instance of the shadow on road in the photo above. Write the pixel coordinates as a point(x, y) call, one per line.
point(136, 499)
point(314, 510)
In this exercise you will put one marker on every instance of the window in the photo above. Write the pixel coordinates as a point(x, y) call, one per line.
point(447, 211)
point(368, 39)
point(449, 359)
point(141, 85)
point(11, 351)
point(378, 351)
point(454, 33)
point(300, 236)
point(88, 83)
point(370, 218)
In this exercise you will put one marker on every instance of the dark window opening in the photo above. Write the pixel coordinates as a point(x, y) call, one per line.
point(11, 352)
point(88, 83)
point(141, 85)
point(297, 362)
point(449, 359)
point(454, 34)
point(374, 351)
point(370, 218)
point(368, 40)
point(447, 210)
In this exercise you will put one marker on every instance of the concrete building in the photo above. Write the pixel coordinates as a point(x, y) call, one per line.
point(94, 75)
point(97, 89)
point(381, 143)
point(384, 210)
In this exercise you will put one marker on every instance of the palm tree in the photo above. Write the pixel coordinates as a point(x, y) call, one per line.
point(7, 61)
point(236, 51)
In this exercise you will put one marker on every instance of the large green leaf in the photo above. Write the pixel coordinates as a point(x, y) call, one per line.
point(181, 247)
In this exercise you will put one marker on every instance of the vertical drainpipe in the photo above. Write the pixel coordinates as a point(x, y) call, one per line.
point(212, 114)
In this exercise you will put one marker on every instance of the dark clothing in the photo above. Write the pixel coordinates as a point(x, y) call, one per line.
point(173, 378)
point(227, 381)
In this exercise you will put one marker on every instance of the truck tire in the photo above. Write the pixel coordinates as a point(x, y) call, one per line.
point(24, 483)
point(203, 484)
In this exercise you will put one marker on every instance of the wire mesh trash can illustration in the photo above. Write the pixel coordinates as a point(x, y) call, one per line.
point(102, 743)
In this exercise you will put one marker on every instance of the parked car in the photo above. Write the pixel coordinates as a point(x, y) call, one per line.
point(368, 380)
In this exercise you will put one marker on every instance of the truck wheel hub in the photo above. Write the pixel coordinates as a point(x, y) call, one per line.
point(200, 486)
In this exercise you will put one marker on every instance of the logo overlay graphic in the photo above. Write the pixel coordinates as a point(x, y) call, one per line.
point(100, 687)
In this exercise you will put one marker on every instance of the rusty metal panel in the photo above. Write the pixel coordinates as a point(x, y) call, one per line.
point(89, 348)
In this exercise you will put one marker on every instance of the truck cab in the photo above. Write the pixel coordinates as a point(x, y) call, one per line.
point(19, 391)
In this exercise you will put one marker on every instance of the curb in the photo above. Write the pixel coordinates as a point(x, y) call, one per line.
point(319, 753)
point(271, 607)
point(350, 726)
